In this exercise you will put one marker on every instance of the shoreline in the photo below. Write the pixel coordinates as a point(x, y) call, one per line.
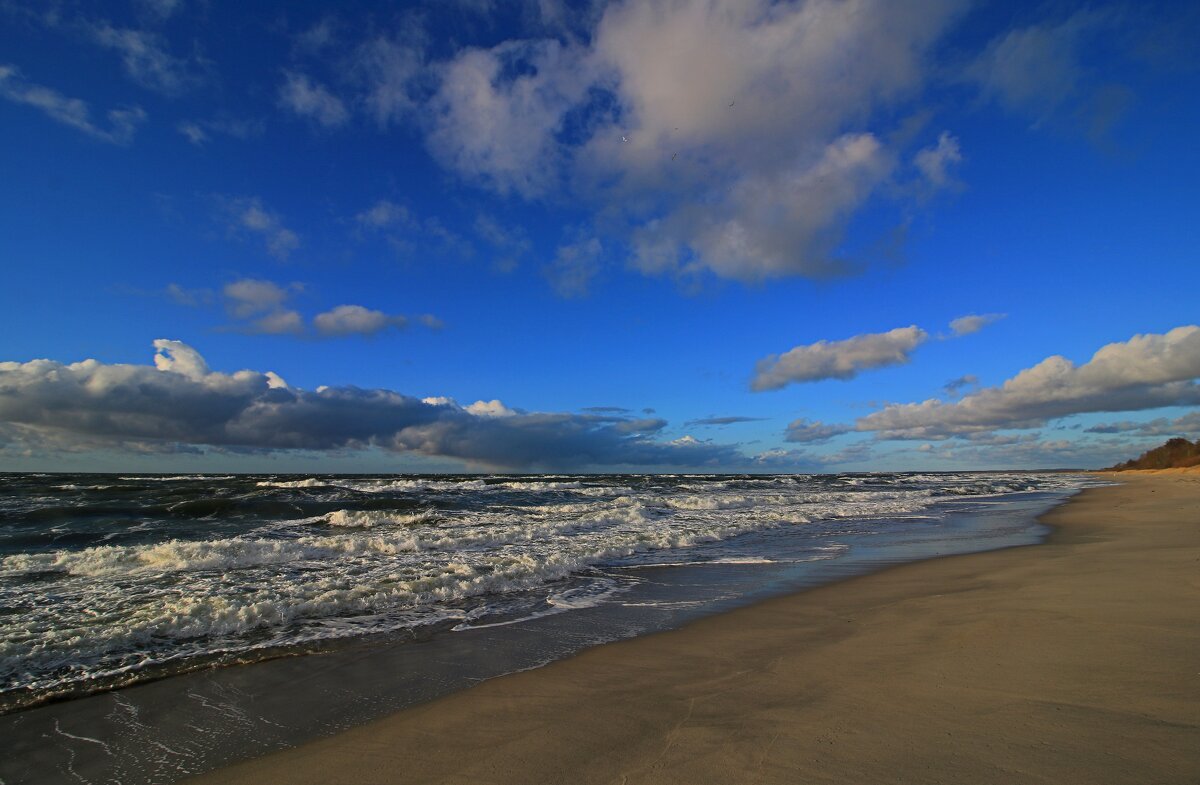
point(204, 720)
point(1073, 667)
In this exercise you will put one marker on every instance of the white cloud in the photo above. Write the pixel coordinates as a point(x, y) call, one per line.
point(813, 432)
point(501, 131)
point(837, 359)
point(574, 267)
point(122, 123)
point(492, 408)
point(193, 131)
point(161, 8)
point(431, 321)
point(285, 322)
point(1146, 372)
point(1034, 69)
point(385, 213)
point(406, 232)
point(321, 35)
point(732, 135)
point(178, 357)
point(510, 241)
point(248, 213)
point(189, 297)
point(264, 300)
point(200, 132)
point(973, 323)
point(804, 459)
point(260, 307)
point(250, 296)
point(145, 58)
point(389, 70)
point(1047, 71)
point(180, 403)
point(355, 320)
point(309, 99)
point(1188, 424)
point(936, 163)
point(784, 221)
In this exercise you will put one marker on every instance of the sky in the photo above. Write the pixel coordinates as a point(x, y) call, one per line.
point(668, 235)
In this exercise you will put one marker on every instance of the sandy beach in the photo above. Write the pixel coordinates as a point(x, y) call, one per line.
point(1074, 661)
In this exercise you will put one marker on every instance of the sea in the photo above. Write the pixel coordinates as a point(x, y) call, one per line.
point(123, 596)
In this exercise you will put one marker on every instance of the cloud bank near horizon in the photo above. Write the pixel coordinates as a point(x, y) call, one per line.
point(1148, 371)
point(180, 401)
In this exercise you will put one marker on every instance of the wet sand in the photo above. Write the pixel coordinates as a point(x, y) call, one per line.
point(1074, 661)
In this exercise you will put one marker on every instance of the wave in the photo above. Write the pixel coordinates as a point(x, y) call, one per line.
point(366, 519)
point(245, 565)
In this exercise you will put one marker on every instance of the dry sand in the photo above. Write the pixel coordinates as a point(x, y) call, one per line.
point(1074, 661)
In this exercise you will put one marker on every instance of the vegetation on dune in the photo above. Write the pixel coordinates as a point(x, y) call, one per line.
point(1175, 454)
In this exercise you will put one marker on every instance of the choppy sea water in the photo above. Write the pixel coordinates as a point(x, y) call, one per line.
point(108, 580)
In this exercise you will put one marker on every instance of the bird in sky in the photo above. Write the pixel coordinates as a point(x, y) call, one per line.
point(734, 101)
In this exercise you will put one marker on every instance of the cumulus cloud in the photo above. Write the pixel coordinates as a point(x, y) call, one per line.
point(501, 130)
point(262, 307)
point(492, 408)
point(74, 112)
point(308, 99)
point(249, 214)
point(180, 400)
point(145, 58)
point(283, 322)
point(250, 296)
point(813, 432)
point(356, 320)
point(973, 323)
point(1146, 372)
point(837, 359)
point(732, 136)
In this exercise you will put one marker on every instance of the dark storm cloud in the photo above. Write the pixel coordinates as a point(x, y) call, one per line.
point(180, 401)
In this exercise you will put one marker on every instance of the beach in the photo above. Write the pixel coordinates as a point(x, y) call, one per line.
point(1071, 661)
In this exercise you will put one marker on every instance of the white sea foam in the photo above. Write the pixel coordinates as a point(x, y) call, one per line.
point(123, 604)
point(177, 478)
point(366, 519)
point(311, 482)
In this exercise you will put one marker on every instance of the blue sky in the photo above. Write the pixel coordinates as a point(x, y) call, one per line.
point(679, 236)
